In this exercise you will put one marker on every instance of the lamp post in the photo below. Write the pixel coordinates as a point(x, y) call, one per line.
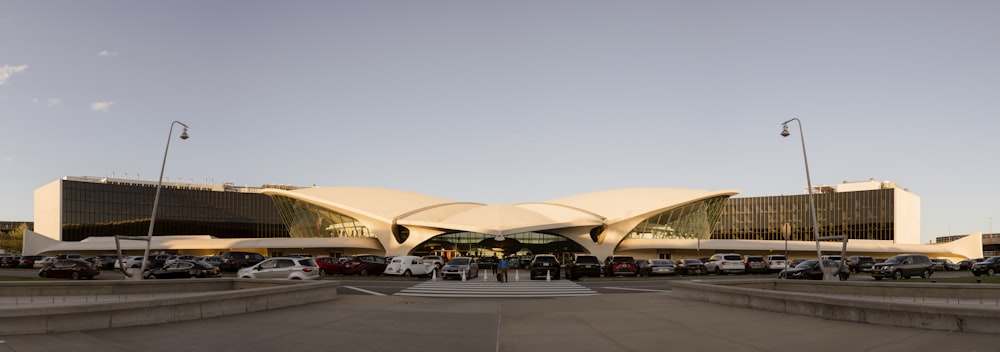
point(812, 200)
point(156, 198)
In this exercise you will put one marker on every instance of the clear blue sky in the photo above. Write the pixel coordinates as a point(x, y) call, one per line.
point(508, 101)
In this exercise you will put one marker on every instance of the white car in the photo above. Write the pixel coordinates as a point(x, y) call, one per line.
point(43, 262)
point(409, 265)
point(724, 263)
point(134, 261)
point(291, 268)
point(776, 262)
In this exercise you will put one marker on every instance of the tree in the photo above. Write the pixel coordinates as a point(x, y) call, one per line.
point(13, 241)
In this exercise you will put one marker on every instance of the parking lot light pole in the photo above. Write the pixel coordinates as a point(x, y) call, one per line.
point(812, 200)
point(156, 198)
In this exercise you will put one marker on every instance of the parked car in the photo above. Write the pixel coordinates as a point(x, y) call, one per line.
point(183, 269)
point(755, 264)
point(811, 270)
point(776, 262)
point(409, 265)
point(459, 267)
point(990, 267)
point(584, 265)
point(106, 261)
point(28, 261)
point(291, 268)
point(544, 266)
point(903, 266)
point(365, 264)
point(965, 264)
point(436, 260)
point(657, 267)
point(212, 260)
point(618, 265)
point(70, 268)
point(860, 263)
point(724, 263)
point(43, 262)
point(331, 265)
point(943, 264)
point(690, 267)
point(178, 257)
point(234, 261)
point(487, 262)
point(10, 261)
point(134, 261)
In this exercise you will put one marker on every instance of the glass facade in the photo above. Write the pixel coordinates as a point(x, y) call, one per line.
point(485, 245)
point(693, 220)
point(861, 215)
point(110, 209)
point(306, 220)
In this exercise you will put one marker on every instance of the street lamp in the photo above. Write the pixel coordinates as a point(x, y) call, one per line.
point(812, 200)
point(156, 202)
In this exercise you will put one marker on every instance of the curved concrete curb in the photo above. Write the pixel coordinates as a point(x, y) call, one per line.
point(837, 301)
point(147, 302)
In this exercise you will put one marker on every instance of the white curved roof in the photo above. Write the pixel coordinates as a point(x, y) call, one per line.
point(408, 208)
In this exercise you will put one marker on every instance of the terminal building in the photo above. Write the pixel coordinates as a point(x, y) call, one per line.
point(84, 214)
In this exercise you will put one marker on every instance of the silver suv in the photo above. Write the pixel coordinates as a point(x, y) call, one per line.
point(903, 266)
point(291, 268)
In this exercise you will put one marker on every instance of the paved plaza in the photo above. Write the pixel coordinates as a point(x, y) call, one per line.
point(609, 322)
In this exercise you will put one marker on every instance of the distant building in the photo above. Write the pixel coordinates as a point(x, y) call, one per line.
point(82, 215)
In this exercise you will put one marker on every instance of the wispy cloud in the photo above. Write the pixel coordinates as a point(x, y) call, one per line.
point(6, 71)
point(105, 53)
point(101, 106)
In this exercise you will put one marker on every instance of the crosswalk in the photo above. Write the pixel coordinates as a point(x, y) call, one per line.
point(492, 289)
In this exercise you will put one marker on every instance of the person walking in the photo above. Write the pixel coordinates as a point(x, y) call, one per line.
point(503, 265)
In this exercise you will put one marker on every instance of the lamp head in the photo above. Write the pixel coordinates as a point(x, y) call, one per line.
point(184, 133)
point(784, 132)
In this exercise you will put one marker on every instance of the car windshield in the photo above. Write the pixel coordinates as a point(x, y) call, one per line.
point(894, 260)
point(459, 261)
point(586, 260)
point(732, 257)
point(806, 264)
point(992, 259)
point(623, 259)
point(777, 257)
point(692, 262)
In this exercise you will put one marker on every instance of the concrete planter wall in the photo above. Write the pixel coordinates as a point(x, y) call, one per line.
point(842, 301)
point(164, 301)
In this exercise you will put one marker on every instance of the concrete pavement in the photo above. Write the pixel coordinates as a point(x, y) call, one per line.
point(610, 322)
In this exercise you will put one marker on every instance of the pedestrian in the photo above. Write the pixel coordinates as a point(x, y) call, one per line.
point(502, 265)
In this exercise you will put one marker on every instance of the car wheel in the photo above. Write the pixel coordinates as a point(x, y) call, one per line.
point(844, 277)
point(718, 271)
point(150, 277)
point(46, 274)
point(322, 272)
point(364, 272)
point(75, 275)
point(976, 273)
point(925, 274)
point(991, 272)
point(407, 273)
point(897, 275)
point(878, 278)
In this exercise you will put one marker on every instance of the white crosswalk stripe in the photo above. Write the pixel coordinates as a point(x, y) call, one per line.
point(493, 289)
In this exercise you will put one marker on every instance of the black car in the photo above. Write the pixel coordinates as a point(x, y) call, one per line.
point(990, 266)
point(183, 269)
point(544, 265)
point(584, 265)
point(755, 264)
point(903, 266)
point(811, 270)
point(860, 263)
point(233, 261)
point(690, 267)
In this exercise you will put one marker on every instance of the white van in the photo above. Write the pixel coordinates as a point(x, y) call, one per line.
point(409, 265)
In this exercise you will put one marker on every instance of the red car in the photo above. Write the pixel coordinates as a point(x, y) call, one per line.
point(70, 268)
point(366, 264)
point(621, 265)
point(331, 265)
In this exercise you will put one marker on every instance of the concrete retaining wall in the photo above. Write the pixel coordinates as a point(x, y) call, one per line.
point(196, 299)
point(800, 297)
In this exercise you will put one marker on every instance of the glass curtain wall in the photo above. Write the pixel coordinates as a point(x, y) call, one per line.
point(862, 215)
point(109, 209)
point(306, 220)
point(474, 244)
point(693, 220)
